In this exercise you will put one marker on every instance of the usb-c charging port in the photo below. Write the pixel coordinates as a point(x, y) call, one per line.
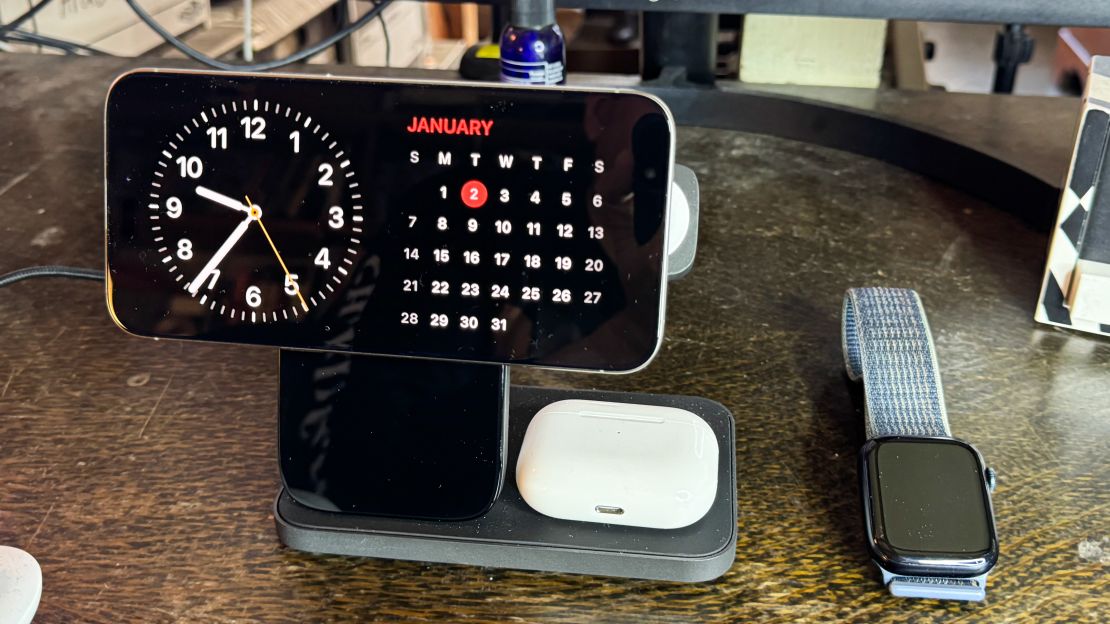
point(606, 509)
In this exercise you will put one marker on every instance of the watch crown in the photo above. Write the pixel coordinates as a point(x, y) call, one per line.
point(992, 478)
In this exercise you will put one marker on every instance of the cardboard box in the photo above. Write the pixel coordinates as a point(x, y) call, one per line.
point(108, 25)
point(408, 34)
point(824, 51)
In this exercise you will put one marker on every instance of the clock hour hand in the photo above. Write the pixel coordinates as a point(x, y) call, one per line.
point(217, 257)
point(222, 199)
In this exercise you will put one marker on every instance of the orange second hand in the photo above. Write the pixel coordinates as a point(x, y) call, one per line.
point(276, 254)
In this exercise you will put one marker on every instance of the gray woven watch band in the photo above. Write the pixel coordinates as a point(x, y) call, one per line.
point(888, 346)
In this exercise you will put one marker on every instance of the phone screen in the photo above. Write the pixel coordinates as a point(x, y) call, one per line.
point(435, 220)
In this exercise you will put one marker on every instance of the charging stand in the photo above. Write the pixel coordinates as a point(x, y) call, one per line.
point(414, 460)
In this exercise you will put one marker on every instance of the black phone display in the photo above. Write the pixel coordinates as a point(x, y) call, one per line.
point(473, 223)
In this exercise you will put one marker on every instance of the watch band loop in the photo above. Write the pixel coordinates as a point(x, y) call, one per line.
point(887, 345)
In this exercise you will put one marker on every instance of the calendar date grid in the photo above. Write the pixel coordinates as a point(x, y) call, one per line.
point(512, 231)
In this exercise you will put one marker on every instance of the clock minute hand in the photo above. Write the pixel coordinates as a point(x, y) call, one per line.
point(222, 199)
point(217, 257)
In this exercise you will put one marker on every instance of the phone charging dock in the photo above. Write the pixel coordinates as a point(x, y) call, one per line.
point(339, 500)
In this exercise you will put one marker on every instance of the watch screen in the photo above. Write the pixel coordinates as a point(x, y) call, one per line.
point(478, 223)
point(931, 497)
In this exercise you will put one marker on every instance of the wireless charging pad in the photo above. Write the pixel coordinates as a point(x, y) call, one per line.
point(512, 535)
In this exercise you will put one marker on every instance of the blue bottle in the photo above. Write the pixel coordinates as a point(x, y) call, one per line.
point(532, 47)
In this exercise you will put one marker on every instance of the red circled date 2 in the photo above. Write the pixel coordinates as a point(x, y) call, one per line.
point(474, 194)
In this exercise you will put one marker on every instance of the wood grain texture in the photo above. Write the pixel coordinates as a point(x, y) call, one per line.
point(141, 473)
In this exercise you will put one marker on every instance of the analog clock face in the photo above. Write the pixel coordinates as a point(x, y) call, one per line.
point(254, 210)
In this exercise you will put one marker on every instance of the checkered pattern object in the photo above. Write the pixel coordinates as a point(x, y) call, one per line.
point(887, 344)
point(1089, 163)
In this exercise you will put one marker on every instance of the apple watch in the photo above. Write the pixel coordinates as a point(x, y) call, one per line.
point(926, 495)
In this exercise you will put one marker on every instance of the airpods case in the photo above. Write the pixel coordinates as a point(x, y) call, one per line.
point(618, 463)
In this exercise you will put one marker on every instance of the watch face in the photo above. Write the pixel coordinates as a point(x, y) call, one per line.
point(928, 506)
point(486, 224)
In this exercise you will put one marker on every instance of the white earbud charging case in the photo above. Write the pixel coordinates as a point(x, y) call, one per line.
point(618, 463)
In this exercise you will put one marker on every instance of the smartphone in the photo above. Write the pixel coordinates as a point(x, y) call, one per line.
point(475, 223)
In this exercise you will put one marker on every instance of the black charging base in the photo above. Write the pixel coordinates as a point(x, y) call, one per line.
point(507, 533)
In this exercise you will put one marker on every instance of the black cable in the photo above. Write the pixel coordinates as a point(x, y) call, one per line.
point(69, 47)
point(385, 35)
point(19, 36)
point(292, 58)
point(34, 25)
point(17, 22)
point(51, 271)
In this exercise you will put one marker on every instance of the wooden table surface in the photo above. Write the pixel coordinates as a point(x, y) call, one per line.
point(141, 474)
